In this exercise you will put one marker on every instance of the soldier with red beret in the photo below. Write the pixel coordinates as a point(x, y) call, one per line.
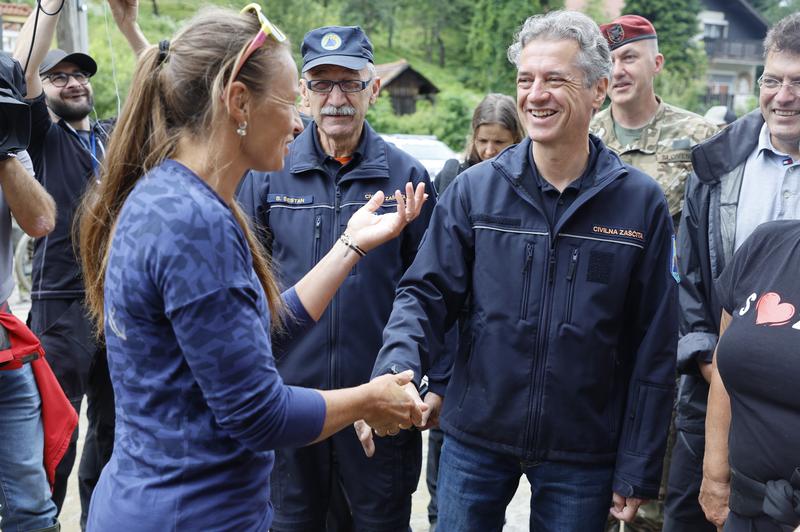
point(645, 131)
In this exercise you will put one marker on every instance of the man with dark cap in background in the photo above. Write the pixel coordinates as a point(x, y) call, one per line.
point(646, 132)
point(333, 167)
point(67, 149)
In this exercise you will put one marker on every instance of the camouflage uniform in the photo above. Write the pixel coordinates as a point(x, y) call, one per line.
point(664, 149)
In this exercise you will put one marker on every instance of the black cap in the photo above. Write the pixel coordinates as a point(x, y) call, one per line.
point(56, 56)
point(344, 46)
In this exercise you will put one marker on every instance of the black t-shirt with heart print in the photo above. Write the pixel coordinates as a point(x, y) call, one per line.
point(759, 354)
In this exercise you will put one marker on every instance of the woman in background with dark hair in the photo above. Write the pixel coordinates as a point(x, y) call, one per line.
point(495, 126)
point(186, 298)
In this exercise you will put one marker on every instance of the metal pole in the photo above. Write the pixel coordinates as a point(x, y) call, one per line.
point(72, 32)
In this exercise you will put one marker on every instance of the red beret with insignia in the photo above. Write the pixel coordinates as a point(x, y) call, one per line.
point(627, 28)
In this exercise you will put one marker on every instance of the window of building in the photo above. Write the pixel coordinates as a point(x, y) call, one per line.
point(714, 31)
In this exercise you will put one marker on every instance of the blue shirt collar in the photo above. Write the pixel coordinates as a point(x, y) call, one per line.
point(766, 148)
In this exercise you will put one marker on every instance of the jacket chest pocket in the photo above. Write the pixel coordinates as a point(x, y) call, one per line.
point(507, 272)
point(317, 239)
point(299, 232)
point(572, 273)
point(527, 269)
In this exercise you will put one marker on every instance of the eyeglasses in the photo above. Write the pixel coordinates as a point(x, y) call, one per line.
point(768, 84)
point(346, 85)
point(61, 79)
point(267, 29)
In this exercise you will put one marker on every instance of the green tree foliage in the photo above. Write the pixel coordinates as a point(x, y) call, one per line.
point(492, 29)
point(677, 27)
point(449, 119)
point(681, 82)
point(596, 10)
point(764, 5)
point(460, 45)
point(774, 10)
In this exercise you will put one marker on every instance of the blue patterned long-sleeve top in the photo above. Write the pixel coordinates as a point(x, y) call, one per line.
point(199, 403)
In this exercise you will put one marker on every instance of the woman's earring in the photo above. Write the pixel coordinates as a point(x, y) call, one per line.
point(242, 129)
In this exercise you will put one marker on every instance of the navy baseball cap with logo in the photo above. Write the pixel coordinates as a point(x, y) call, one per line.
point(344, 46)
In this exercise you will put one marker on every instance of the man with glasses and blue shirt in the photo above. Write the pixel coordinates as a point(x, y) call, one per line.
point(67, 149)
point(332, 168)
point(744, 176)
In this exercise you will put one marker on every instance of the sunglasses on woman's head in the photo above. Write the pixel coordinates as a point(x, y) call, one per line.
point(268, 29)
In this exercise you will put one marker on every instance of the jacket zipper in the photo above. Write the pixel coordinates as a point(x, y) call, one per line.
point(526, 281)
point(542, 331)
point(317, 237)
point(543, 341)
point(573, 264)
point(540, 350)
point(334, 325)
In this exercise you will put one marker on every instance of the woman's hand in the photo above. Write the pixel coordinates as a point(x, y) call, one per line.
point(392, 407)
point(126, 15)
point(396, 406)
point(713, 498)
point(370, 230)
point(125, 12)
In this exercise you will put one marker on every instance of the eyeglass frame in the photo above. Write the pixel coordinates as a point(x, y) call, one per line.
point(364, 85)
point(268, 29)
point(794, 86)
point(67, 75)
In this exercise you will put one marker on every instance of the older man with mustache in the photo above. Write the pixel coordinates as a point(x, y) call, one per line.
point(331, 170)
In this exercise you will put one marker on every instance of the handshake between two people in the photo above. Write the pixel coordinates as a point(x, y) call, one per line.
point(399, 407)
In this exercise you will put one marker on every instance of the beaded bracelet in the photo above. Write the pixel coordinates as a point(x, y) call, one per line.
point(348, 241)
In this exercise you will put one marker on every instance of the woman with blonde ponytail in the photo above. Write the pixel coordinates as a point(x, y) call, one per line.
point(186, 299)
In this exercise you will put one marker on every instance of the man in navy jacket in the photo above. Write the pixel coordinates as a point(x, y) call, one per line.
point(332, 169)
point(566, 256)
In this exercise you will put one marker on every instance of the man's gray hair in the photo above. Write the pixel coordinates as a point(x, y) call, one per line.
point(594, 57)
point(784, 36)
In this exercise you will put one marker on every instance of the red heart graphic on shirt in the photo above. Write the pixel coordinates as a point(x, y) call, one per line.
point(770, 311)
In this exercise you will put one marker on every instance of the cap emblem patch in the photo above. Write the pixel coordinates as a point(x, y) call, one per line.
point(616, 34)
point(331, 41)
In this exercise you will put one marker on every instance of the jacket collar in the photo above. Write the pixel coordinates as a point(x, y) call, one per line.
point(727, 149)
point(648, 139)
point(306, 154)
point(513, 164)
